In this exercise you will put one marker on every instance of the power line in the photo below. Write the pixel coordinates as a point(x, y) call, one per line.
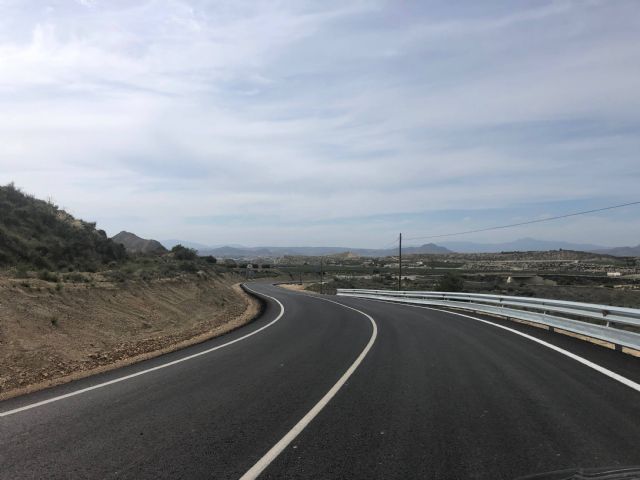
point(529, 222)
point(390, 245)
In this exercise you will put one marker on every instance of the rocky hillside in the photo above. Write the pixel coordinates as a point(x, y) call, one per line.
point(35, 234)
point(134, 244)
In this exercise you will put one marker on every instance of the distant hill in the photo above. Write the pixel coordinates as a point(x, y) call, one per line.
point(520, 245)
point(172, 242)
point(135, 244)
point(254, 252)
point(621, 251)
point(429, 248)
point(35, 234)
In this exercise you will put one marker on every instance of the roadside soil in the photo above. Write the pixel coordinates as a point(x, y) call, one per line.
point(296, 287)
point(293, 286)
point(52, 333)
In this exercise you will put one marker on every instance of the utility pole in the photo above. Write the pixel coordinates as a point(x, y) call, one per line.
point(400, 263)
point(321, 277)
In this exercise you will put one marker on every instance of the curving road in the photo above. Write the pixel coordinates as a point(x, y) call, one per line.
point(331, 387)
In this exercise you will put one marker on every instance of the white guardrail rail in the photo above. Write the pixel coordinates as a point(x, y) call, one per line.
point(617, 326)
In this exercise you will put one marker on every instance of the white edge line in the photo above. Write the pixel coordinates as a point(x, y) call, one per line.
point(577, 358)
point(271, 455)
point(149, 370)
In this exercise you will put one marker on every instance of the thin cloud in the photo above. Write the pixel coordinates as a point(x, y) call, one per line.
point(240, 122)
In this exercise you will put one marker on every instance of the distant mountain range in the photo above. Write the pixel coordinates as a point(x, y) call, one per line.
point(621, 251)
point(534, 245)
point(522, 245)
point(254, 252)
point(169, 244)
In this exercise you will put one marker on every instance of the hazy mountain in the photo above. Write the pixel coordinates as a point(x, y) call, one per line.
point(520, 245)
point(429, 248)
point(135, 244)
point(252, 252)
point(169, 244)
point(621, 251)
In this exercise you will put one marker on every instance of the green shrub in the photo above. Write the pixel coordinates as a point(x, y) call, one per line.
point(450, 282)
point(145, 275)
point(76, 277)
point(184, 253)
point(115, 276)
point(48, 276)
point(21, 272)
point(190, 267)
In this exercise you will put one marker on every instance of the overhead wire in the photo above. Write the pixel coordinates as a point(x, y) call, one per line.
point(390, 245)
point(529, 222)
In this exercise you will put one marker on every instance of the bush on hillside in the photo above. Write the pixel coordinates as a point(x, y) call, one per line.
point(184, 253)
point(450, 282)
point(48, 276)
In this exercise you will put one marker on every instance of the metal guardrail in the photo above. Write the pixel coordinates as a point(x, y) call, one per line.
point(618, 326)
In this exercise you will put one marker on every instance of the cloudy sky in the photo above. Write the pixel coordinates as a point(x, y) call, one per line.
point(325, 123)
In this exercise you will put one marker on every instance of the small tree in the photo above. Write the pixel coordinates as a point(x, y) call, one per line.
point(450, 282)
point(184, 253)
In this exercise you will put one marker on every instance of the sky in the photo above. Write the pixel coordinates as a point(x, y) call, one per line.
point(325, 123)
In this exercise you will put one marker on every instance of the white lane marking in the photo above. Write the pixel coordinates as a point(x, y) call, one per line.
point(577, 358)
point(271, 455)
point(153, 369)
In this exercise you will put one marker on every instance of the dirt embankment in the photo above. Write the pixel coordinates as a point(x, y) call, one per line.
point(52, 333)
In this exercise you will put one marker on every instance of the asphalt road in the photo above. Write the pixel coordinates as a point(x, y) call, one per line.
point(317, 389)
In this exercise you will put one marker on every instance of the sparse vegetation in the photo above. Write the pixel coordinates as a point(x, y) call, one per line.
point(184, 253)
point(76, 277)
point(39, 240)
point(37, 235)
point(48, 276)
point(450, 282)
